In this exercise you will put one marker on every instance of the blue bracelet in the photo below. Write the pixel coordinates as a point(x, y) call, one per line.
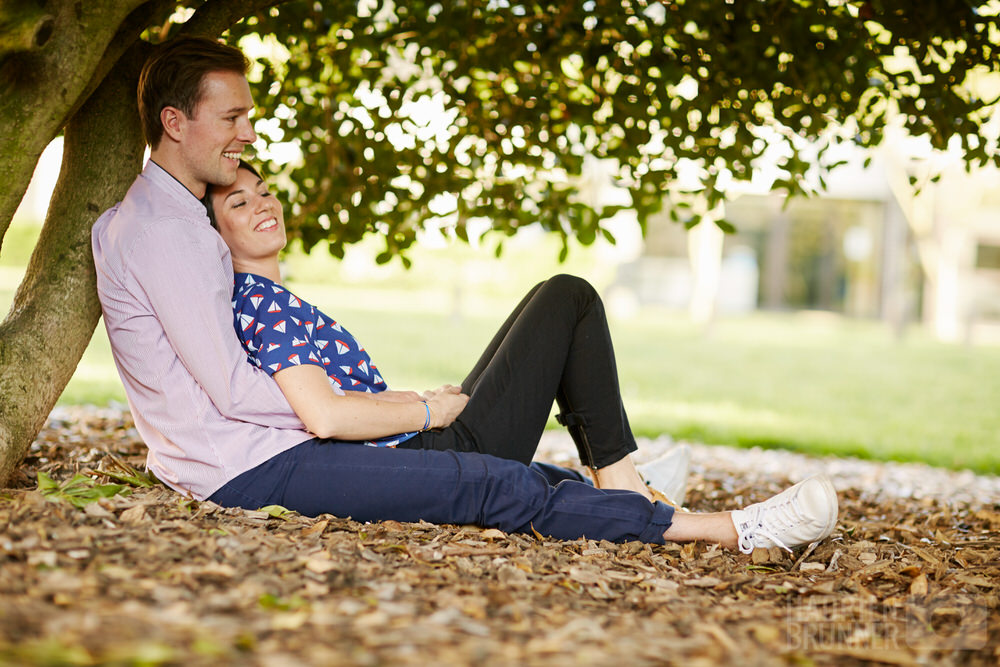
point(427, 419)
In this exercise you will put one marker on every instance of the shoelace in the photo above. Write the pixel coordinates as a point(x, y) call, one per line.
point(784, 515)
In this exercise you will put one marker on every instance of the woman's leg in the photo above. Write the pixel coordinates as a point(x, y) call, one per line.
point(372, 484)
point(554, 345)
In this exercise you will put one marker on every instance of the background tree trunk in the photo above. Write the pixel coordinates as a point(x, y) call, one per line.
point(56, 309)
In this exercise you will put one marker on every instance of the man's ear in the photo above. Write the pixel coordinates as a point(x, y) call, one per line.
point(173, 120)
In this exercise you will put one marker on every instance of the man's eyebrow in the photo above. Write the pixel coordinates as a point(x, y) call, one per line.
point(236, 110)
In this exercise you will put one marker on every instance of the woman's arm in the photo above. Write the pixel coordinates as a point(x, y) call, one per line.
point(394, 396)
point(357, 416)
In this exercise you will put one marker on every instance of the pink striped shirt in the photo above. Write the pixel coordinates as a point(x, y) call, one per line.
point(165, 281)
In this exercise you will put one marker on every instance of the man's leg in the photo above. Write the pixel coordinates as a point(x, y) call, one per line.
point(555, 474)
point(372, 484)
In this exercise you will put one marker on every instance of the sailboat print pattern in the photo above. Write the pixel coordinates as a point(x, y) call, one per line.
point(278, 330)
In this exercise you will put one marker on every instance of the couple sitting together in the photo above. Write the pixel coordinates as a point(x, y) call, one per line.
point(309, 422)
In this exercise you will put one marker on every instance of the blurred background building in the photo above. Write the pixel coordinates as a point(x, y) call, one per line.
point(870, 246)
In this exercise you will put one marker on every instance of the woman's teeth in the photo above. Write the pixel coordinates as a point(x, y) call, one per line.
point(232, 156)
point(266, 225)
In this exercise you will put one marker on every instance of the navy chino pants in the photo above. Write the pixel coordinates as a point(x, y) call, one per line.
point(373, 484)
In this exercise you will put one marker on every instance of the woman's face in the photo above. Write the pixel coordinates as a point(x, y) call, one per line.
point(249, 218)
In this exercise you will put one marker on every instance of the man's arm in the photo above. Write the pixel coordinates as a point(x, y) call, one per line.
point(190, 290)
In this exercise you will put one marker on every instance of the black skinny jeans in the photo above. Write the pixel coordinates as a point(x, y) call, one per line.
point(554, 346)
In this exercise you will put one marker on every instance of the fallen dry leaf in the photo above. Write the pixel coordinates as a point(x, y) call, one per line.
point(153, 578)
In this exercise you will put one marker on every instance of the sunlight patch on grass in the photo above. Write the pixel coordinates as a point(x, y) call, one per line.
point(727, 412)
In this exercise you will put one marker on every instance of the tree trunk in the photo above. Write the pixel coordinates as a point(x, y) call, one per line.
point(56, 309)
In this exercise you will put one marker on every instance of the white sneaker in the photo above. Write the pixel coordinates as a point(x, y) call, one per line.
point(804, 513)
point(668, 474)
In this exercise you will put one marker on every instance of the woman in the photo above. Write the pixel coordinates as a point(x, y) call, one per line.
point(555, 345)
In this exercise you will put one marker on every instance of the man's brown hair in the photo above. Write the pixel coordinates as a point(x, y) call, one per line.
point(173, 76)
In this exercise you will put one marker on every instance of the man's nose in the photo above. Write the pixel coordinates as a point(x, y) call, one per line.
point(246, 133)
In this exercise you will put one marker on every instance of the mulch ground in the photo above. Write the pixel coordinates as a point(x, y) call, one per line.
point(147, 577)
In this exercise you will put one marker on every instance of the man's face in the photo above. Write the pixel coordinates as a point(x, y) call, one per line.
point(213, 138)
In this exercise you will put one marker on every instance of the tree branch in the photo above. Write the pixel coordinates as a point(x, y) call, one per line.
point(24, 26)
point(41, 88)
point(125, 38)
point(216, 16)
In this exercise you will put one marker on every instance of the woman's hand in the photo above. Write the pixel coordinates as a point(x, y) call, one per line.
point(445, 388)
point(446, 404)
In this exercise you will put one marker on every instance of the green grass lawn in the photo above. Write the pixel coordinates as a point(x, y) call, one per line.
point(817, 385)
point(810, 382)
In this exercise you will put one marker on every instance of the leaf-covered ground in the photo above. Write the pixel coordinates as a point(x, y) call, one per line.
point(144, 576)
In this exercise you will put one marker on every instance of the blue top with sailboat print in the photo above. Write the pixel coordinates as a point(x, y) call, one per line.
point(279, 330)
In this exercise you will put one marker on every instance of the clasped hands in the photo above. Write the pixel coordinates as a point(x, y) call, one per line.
point(445, 403)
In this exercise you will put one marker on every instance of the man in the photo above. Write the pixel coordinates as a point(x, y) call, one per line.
point(218, 428)
point(165, 280)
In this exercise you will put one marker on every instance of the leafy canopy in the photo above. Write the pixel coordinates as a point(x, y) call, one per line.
point(418, 113)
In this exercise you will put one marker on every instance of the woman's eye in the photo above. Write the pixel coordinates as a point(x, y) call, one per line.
point(239, 204)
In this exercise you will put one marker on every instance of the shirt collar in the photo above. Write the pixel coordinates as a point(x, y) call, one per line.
point(163, 179)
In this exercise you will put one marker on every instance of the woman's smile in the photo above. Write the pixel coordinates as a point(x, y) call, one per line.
point(266, 225)
point(251, 223)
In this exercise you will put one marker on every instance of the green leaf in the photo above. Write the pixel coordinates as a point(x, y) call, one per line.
point(46, 484)
point(124, 473)
point(726, 227)
point(273, 602)
point(78, 491)
point(761, 568)
point(276, 511)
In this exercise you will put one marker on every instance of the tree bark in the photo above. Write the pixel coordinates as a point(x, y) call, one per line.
point(55, 308)
point(24, 26)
